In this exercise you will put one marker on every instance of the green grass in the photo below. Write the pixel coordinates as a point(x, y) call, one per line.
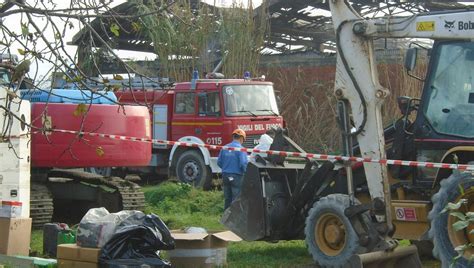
point(36, 242)
point(180, 205)
point(264, 254)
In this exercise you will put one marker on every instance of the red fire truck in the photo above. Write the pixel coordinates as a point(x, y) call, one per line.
point(203, 111)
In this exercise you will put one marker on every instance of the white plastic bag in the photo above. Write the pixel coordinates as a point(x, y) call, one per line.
point(264, 143)
point(98, 225)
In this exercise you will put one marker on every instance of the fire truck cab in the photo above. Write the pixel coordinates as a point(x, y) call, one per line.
point(203, 111)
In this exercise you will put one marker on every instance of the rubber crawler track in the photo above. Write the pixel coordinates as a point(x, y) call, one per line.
point(131, 195)
point(41, 205)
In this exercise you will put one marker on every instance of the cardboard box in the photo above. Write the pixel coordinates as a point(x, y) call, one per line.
point(200, 250)
point(74, 252)
point(76, 264)
point(15, 235)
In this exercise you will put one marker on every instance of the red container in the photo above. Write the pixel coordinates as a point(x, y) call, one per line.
point(67, 150)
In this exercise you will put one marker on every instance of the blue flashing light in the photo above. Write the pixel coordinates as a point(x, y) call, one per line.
point(195, 77)
point(247, 75)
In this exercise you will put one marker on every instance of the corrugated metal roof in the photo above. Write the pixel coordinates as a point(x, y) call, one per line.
point(295, 25)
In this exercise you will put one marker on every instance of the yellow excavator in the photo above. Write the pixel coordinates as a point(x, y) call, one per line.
point(352, 215)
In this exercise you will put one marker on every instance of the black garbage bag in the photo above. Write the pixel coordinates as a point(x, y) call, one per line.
point(137, 263)
point(138, 241)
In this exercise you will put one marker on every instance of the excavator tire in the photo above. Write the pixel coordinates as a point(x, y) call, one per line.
point(329, 235)
point(41, 205)
point(445, 239)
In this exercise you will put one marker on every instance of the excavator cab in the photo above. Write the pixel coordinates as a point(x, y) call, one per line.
point(442, 132)
point(439, 120)
point(447, 102)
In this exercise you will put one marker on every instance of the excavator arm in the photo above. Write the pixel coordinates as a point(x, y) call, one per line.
point(452, 25)
point(357, 82)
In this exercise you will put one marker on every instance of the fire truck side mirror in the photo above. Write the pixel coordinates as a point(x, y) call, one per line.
point(278, 101)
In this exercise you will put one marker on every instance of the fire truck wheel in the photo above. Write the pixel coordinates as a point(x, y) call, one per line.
point(329, 235)
point(445, 239)
point(192, 169)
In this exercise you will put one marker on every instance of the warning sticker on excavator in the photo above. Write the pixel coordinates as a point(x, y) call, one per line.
point(405, 214)
point(425, 26)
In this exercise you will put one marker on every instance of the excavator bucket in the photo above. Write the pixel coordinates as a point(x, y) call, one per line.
point(263, 196)
point(266, 189)
point(275, 194)
point(244, 216)
point(399, 257)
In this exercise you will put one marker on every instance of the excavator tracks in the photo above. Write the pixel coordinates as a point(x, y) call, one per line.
point(113, 193)
point(41, 205)
point(131, 196)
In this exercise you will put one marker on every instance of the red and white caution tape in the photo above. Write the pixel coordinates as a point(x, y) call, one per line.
point(462, 167)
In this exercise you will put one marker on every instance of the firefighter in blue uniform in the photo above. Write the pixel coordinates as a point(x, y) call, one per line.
point(233, 165)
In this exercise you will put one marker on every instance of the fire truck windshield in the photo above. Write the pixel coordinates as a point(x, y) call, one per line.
point(245, 100)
